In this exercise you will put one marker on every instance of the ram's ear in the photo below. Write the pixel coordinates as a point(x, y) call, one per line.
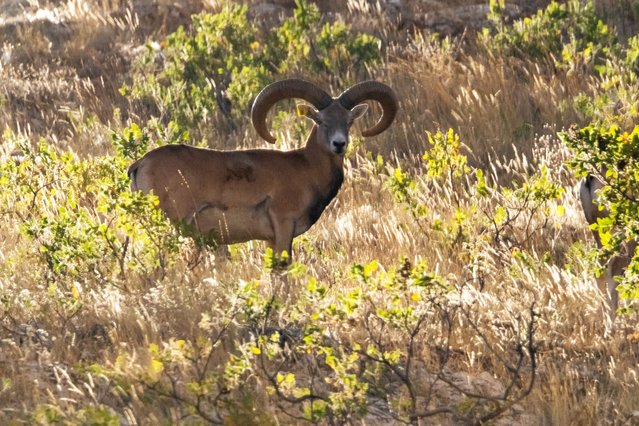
point(305, 110)
point(358, 111)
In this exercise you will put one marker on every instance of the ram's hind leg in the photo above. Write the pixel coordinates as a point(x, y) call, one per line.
point(616, 266)
point(607, 286)
point(209, 221)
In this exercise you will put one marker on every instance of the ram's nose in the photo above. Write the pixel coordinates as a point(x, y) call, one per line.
point(338, 145)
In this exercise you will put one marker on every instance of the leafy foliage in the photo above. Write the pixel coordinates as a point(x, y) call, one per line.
point(216, 65)
point(615, 103)
point(572, 37)
point(85, 223)
point(328, 48)
point(509, 216)
point(563, 32)
point(222, 61)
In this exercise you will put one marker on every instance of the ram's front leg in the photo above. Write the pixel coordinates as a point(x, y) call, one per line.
point(282, 243)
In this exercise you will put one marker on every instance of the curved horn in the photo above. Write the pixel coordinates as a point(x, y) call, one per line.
point(291, 88)
point(375, 91)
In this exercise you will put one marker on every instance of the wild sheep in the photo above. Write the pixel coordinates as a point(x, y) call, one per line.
point(263, 194)
point(588, 190)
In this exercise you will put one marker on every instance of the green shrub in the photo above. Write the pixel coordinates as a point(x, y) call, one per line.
point(219, 64)
point(571, 37)
point(85, 222)
point(563, 33)
point(513, 214)
point(91, 415)
point(330, 48)
point(616, 97)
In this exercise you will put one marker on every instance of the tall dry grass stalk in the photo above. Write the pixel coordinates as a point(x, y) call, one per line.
point(497, 104)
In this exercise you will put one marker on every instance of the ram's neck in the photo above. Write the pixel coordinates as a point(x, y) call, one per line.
point(326, 166)
point(327, 174)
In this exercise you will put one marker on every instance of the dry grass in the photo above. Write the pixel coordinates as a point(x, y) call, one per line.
point(506, 112)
